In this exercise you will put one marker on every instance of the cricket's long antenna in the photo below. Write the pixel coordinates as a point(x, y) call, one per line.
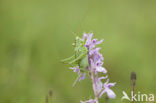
point(85, 15)
point(83, 18)
point(73, 32)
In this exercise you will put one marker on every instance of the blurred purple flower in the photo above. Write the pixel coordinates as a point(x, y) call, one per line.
point(106, 89)
point(75, 69)
point(82, 77)
point(81, 74)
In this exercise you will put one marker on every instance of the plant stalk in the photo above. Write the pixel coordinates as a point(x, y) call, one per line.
point(93, 77)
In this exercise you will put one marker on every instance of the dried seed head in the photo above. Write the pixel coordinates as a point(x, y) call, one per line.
point(133, 78)
point(50, 93)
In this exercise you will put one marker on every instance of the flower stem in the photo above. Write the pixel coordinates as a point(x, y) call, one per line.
point(93, 77)
point(107, 99)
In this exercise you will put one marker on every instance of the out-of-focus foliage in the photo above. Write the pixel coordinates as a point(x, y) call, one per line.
point(36, 34)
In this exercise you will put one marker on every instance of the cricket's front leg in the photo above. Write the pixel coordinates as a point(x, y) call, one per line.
point(67, 60)
point(77, 59)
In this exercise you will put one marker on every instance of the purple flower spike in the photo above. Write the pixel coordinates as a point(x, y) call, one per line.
point(95, 59)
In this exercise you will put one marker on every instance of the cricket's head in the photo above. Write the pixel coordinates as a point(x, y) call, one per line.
point(78, 41)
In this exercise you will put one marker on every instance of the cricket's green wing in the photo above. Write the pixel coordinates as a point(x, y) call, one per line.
point(80, 53)
point(84, 62)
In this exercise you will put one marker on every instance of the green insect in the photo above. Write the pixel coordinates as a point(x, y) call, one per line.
point(80, 58)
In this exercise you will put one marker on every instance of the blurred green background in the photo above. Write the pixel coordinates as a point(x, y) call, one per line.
point(36, 34)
